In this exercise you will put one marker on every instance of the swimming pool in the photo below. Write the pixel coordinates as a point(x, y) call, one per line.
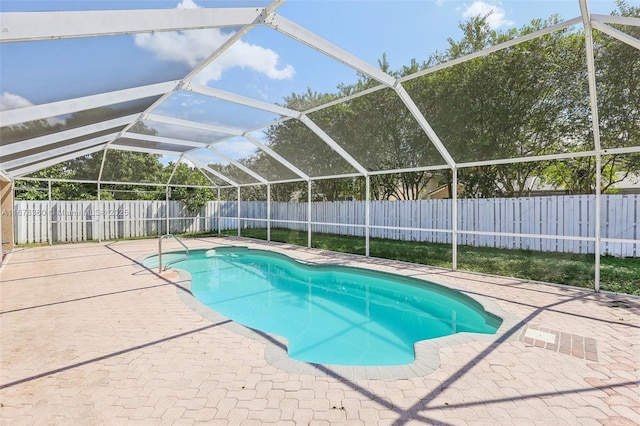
point(330, 314)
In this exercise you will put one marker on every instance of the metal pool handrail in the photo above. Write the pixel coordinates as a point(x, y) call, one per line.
point(160, 251)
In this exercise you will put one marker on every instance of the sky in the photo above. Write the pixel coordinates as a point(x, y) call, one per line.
point(264, 64)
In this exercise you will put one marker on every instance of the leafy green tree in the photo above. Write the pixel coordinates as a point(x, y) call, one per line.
point(618, 83)
point(286, 191)
point(294, 141)
point(193, 198)
point(528, 100)
point(617, 67)
point(120, 165)
point(31, 129)
point(517, 102)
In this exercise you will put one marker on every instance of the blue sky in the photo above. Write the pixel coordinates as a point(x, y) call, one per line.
point(264, 65)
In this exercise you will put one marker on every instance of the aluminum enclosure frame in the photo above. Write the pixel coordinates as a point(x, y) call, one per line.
point(33, 26)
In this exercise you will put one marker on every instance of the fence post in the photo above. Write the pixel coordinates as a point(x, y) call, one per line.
point(309, 214)
point(50, 215)
point(218, 213)
point(269, 212)
point(367, 212)
point(166, 208)
point(454, 218)
point(595, 125)
point(598, 220)
point(97, 212)
point(239, 226)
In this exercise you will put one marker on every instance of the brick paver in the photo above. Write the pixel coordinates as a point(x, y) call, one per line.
point(87, 336)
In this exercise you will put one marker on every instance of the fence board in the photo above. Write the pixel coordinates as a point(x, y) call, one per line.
point(562, 215)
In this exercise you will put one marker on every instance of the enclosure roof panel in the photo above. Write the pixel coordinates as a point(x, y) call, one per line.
point(265, 92)
point(30, 26)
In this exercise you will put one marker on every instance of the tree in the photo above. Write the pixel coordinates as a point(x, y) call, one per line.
point(193, 198)
point(123, 166)
point(517, 102)
point(528, 100)
point(617, 67)
point(618, 81)
point(297, 143)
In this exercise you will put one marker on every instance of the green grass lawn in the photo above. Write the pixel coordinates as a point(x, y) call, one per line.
point(616, 274)
point(621, 275)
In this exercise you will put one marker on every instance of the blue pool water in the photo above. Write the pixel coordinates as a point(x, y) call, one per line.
point(330, 314)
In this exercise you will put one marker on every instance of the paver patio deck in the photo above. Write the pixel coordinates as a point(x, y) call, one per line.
point(88, 336)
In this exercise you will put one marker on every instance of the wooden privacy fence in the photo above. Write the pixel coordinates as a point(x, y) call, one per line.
point(568, 219)
point(72, 221)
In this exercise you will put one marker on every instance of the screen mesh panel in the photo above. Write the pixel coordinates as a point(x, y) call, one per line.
point(379, 132)
point(483, 109)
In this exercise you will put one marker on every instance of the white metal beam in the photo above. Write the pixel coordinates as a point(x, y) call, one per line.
point(53, 138)
point(239, 165)
point(104, 159)
point(284, 26)
point(454, 218)
point(276, 156)
point(44, 164)
point(409, 169)
point(173, 172)
point(160, 139)
point(260, 15)
point(333, 144)
point(268, 212)
point(309, 214)
point(144, 150)
point(210, 170)
point(424, 124)
point(367, 215)
point(206, 176)
point(547, 157)
point(69, 106)
point(345, 99)
point(28, 159)
point(622, 150)
point(239, 99)
point(4, 176)
point(340, 176)
point(30, 26)
point(496, 48)
point(194, 124)
point(595, 126)
point(273, 182)
point(614, 19)
point(235, 37)
point(617, 34)
point(259, 18)
point(109, 182)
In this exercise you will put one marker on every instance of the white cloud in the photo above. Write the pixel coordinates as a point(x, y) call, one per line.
point(497, 16)
point(205, 156)
point(187, 103)
point(193, 47)
point(10, 101)
point(236, 148)
point(187, 4)
point(178, 132)
point(262, 91)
